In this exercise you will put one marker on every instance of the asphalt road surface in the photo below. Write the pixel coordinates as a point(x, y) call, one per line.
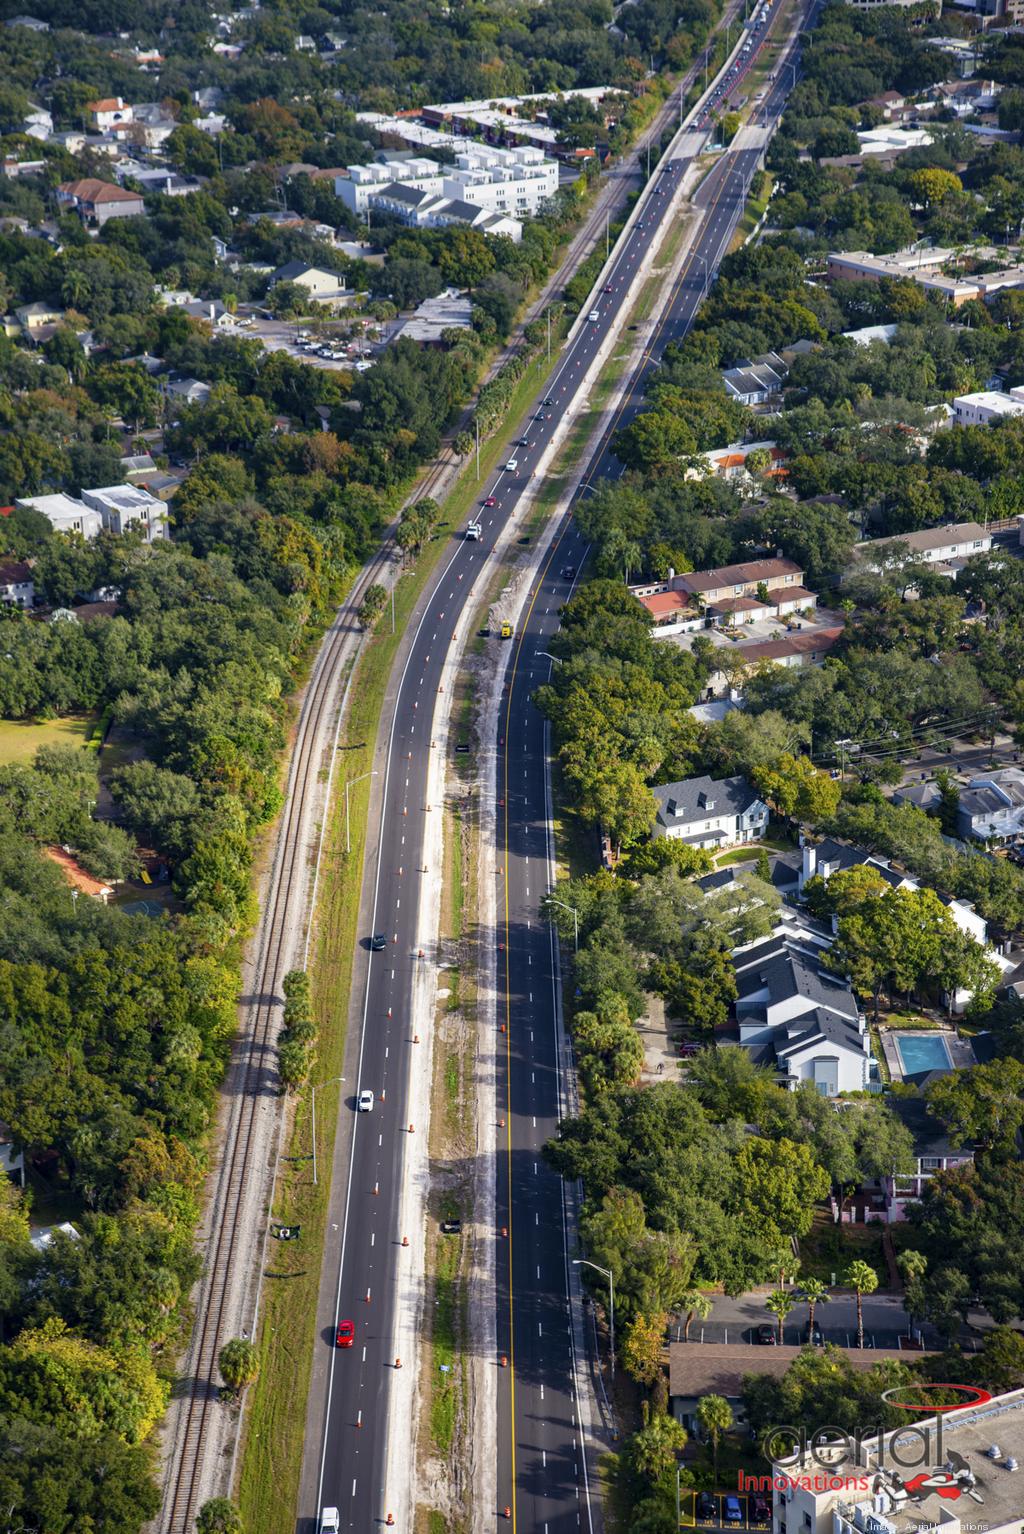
point(543, 1476)
point(541, 1466)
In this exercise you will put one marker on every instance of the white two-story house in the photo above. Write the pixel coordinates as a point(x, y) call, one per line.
point(710, 814)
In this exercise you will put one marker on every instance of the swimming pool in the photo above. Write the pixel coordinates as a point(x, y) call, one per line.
point(923, 1052)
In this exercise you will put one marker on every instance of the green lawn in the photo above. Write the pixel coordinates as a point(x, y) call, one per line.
point(19, 741)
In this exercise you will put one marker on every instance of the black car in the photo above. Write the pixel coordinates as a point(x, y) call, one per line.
point(548, 401)
point(758, 1510)
point(765, 1336)
point(707, 1506)
point(451, 1227)
point(378, 941)
point(568, 572)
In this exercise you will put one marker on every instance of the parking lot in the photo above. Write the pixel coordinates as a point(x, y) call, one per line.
point(322, 346)
point(725, 1510)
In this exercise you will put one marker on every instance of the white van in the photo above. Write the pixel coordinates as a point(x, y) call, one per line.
point(594, 316)
point(330, 1521)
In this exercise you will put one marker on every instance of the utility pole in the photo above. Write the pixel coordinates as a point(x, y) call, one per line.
point(607, 1272)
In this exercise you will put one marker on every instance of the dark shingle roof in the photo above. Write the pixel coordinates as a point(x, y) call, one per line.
point(682, 801)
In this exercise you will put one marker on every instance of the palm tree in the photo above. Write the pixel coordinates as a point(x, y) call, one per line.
point(239, 1364)
point(696, 1303)
point(815, 1292)
point(863, 1280)
point(780, 1302)
point(913, 1266)
point(715, 1417)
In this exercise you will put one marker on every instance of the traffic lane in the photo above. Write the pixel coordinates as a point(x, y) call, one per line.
point(367, 1264)
point(548, 1477)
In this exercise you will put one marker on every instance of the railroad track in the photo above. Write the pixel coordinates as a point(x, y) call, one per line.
point(259, 1072)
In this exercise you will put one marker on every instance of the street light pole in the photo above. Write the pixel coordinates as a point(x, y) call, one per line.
point(320, 1084)
point(350, 783)
point(575, 925)
point(586, 1263)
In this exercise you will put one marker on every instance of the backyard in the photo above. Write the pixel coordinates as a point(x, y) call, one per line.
point(19, 741)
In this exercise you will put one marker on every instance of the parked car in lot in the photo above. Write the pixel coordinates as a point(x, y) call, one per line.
point(707, 1505)
point(731, 1510)
point(812, 1335)
point(765, 1336)
point(759, 1510)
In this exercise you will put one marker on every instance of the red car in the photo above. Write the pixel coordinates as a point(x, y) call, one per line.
point(609, 290)
point(492, 500)
point(346, 1334)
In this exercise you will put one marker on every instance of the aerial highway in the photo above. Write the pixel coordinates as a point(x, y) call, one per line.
point(542, 1470)
point(544, 1478)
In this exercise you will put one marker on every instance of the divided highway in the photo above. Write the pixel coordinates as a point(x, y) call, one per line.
point(542, 1470)
point(543, 1476)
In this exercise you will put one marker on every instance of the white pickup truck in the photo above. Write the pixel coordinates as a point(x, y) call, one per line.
point(474, 532)
point(330, 1521)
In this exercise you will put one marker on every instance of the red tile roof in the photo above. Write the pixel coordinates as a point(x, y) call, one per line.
point(91, 189)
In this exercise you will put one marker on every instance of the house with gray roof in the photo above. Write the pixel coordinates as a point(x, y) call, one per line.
point(933, 1152)
point(797, 1016)
point(991, 807)
point(710, 814)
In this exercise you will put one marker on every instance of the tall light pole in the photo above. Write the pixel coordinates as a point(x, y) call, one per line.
point(586, 1263)
point(575, 928)
point(319, 1086)
point(351, 784)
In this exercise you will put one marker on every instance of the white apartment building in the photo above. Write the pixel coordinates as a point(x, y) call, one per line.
point(987, 405)
point(514, 182)
point(125, 506)
point(64, 513)
point(113, 507)
point(356, 188)
point(955, 1473)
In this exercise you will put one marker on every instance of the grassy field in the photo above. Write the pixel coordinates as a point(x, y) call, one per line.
point(830, 1248)
point(19, 741)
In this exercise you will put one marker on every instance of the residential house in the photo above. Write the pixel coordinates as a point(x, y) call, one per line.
point(210, 310)
point(129, 506)
point(359, 182)
point(44, 1236)
point(65, 514)
point(823, 859)
point(323, 286)
point(37, 123)
point(732, 594)
point(81, 881)
point(17, 589)
point(12, 1160)
point(868, 333)
point(710, 814)
point(991, 807)
point(731, 462)
point(33, 23)
point(97, 201)
point(889, 103)
point(796, 1015)
point(792, 650)
point(14, 169)
point(38, 321)
point(104, 114)
point(933, 1152)
point(945, 548)
point(986, 406)
point(186, 391)
point(758, 382)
